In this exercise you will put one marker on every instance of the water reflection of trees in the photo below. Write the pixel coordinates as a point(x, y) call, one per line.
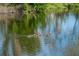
point(5, 32)
point(58, 19)
point(77, 19)
point(29, 46)
point(72, 49)
point(29, 24)
point(26, 26)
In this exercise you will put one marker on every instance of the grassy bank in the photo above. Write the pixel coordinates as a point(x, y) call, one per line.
point(44, 7)
point(47, 8)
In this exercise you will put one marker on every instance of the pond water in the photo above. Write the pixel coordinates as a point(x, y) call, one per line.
point(40, 35)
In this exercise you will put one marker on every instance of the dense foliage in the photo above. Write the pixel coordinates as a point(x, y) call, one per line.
point(46, 8)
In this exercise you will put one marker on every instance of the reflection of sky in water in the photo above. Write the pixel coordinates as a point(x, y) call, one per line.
point(61, 39)
point(10, 47)
point(1, 38)
point(54, 43)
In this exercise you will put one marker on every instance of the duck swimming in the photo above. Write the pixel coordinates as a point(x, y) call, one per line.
point(34, 35)
point(38, 34)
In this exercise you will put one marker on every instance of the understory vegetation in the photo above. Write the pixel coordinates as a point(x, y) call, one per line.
point(47, 8)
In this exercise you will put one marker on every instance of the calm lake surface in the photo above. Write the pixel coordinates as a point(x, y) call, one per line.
point(40, 35)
